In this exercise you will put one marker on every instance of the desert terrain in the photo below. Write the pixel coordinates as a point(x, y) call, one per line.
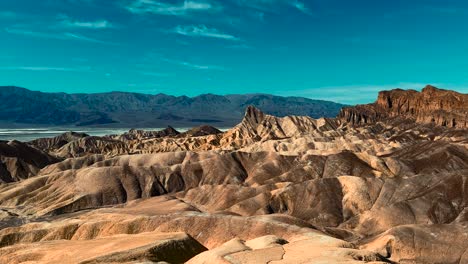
point(381, 183)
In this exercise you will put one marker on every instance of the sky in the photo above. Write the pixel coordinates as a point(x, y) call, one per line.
point(338, 50)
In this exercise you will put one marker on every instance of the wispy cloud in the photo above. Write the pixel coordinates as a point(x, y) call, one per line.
point(174, 9)
point(273, 5)
point(55, 35)
point(98, 24)
point(193, 65)
point(88, 39)
point(202, 31)
point(45, 68)
point(35, 34)
point(301, 7)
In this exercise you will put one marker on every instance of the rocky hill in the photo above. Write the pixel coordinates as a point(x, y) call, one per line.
point(431, 106)
point(20, 161)
point(119, 109)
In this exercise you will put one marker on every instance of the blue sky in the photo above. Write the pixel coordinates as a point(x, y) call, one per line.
point(336, 50)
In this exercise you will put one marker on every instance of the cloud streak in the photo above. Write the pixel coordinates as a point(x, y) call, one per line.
point(202, 31)
point(171, 9)
point(45, 68)
point(55, 35)
point(274, 5)
point(98, 24)
point(87, 39)
point(301, 7)
point(195, 66)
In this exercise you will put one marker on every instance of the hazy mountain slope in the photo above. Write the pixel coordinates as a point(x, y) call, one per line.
point(140, 110)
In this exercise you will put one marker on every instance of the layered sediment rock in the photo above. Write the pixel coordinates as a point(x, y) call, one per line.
point(51, 144)
point(431, 106)
point(137, 248)
point(135, 134)
point(20, 161)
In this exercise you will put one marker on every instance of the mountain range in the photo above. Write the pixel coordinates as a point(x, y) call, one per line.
point(122, 109)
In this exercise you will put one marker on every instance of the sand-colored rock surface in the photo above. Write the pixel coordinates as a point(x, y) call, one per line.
point(51, 144)
point(150, 247)
point(271, 249)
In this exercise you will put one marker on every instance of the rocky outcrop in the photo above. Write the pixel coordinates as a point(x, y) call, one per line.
point(141, 248)
point(51, 144)
point(431, 106)
point(272, 249)
point(92, 145)
point(136, 134)
point(20, 161)
point(201, 131)
point(257, 126)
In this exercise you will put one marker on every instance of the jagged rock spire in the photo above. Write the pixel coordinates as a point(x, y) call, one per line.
point(253, 115)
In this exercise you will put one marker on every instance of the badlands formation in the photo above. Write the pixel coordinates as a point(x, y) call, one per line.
point(382, 183)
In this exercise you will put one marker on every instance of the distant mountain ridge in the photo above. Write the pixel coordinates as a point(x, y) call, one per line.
point(125, 109)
